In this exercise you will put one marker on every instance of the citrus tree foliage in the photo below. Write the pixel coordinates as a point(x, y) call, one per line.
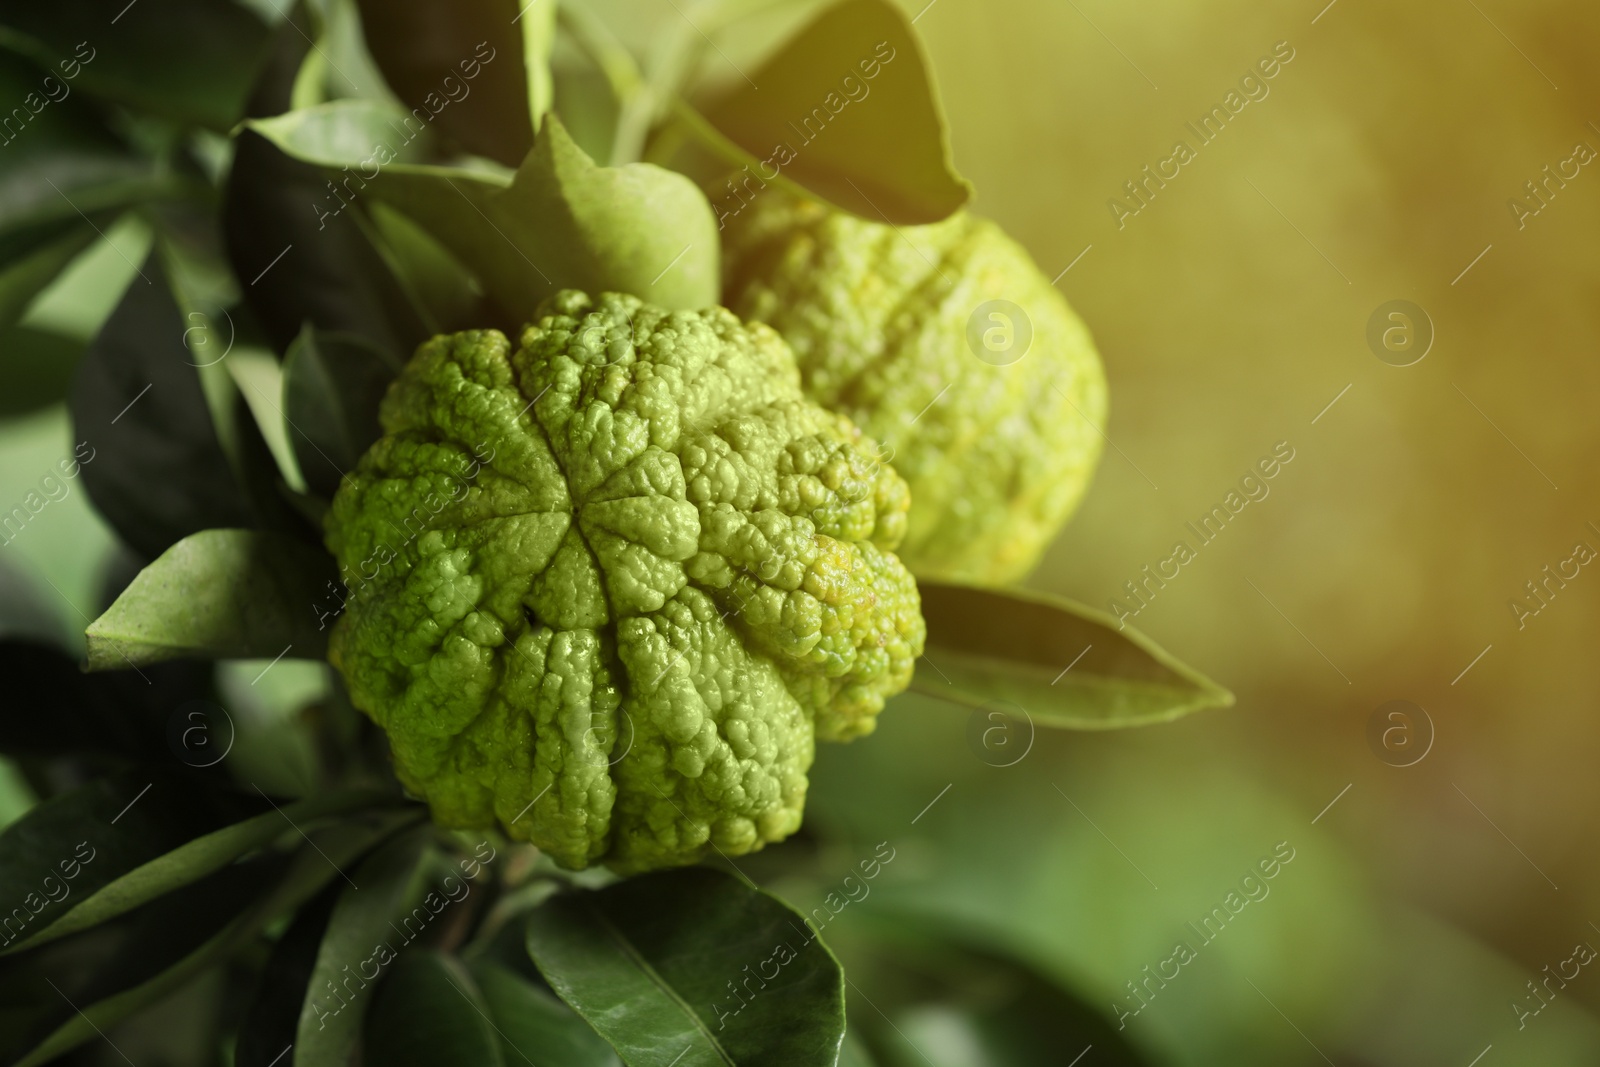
point(419, 388)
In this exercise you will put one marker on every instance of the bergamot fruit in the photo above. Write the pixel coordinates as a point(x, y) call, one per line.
point(607, 585)
point(945, 343)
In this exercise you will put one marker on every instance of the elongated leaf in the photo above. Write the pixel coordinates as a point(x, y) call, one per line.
point(332, 384)
point(118, 888)
point(60, 157)
point(114, 963)
point(460, 67)
point(67, 850)
point(847, 110)
point(219, 594)
point(445, 293)
point(156, 469)
point(171, 940)
point(31, 260)
point(191, 60)
point(428, 1013)
point(693, 964)
point(538, 41)
point(535, 1027)
point(359, 945)
point(987, 646)
point(561, 222)
point(295, 246)
point(270, 1026)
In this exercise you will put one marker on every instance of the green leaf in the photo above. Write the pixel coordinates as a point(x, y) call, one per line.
point(152, 460)
point(191, 60)
point(538, 20)
point(988, 646)
point(444, 292)
point(848, 110)
point(122, 884)
point(37, 370)
point(219, 594)
point(62, 854)
point(295, 247)
point(169, 941)
point(35, 258)
point(63, 164)
point(561, 222)
point(332, 384)
point(535, 1027)
point(694, 964)
point(270, 1025)
point(427, 50)
point(111, 969)
point(360, 935)
point(428, 1013)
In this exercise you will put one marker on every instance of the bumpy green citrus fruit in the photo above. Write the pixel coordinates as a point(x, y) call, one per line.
point(947, 344)
point(607, 585)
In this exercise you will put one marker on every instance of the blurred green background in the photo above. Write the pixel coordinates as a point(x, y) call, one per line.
point(1230, 311)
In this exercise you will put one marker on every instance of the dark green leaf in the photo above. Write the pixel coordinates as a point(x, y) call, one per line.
point(219, 594)
point(63, 165)
point(191, 60)
point(153, 464)
point(848, 111)
point(37, 369)
point(270, 1025)
point(111, 972)
point(297, 252)
point(32, 259)
point(426, 52)
point(360, 943)
point(122, 884)
point(114, 969)
point(441, 288)
point(694, 964)
point(1005, 650)
point(65, 851)
point(332, 384)
point(535, 1027)
point(561, 222)
point(428, 1013)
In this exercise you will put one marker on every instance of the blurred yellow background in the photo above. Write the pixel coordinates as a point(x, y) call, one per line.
point(1230, 311)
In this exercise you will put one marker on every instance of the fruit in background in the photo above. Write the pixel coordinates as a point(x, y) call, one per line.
point(947, 344)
